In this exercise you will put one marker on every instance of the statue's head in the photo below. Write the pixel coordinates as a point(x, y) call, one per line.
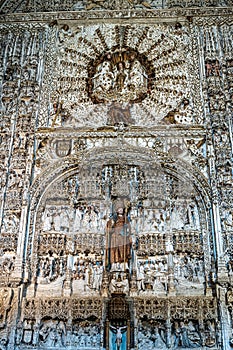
point(119, 207)
point(120, 210)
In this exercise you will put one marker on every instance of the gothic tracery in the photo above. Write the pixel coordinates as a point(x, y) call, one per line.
point(116, 212)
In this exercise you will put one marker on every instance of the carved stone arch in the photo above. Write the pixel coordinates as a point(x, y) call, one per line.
point(60, 168)
point(117, 154)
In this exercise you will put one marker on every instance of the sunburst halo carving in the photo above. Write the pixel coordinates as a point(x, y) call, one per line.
point(142, 69)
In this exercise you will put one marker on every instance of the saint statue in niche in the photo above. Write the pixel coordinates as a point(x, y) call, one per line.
point(118, 240)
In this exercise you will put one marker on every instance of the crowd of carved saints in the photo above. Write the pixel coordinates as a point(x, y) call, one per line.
point(116, 210)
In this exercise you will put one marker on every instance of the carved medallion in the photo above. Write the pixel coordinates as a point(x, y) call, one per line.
point(122, 75)
point(63, 148)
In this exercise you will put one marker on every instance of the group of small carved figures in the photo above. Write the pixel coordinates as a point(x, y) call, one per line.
point(184, 334)
point(57, 334)
point(117, 244)
point(213, 68)
point(87, 335)
point(153, 275)
point(83, 269)
point(90, 218)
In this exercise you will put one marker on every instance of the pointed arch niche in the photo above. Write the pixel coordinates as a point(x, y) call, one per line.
point(166, 205)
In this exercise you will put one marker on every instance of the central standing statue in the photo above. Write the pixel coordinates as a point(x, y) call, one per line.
point(118, 240)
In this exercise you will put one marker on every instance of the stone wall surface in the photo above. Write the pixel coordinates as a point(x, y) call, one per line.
point(116, 202)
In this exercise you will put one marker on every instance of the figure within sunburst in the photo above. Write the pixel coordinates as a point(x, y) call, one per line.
point(142, 68)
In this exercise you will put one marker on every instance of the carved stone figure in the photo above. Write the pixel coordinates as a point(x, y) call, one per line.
point(108, 100)
point(118, 231)
point(52, 333)
point(6, 296)
point(159, 340)
point(141, 277)
point(119, 114)
point(210, 336)
point(98, 276)
point(118, 331)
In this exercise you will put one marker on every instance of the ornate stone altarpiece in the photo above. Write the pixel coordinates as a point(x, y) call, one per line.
point(116, 174)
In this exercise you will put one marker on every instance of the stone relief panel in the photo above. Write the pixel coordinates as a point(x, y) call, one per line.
point(75, 5)
point(50, 334)
point(133, 75)
point(217, 92)
point(80, 248)
point(119, 227)
point(45, 326)
point(193, 323)
point(191, 149)
point(21, 60)
point(183, 335)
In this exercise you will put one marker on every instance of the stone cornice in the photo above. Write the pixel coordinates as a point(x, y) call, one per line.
point(160, 131)
point(160, 15)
